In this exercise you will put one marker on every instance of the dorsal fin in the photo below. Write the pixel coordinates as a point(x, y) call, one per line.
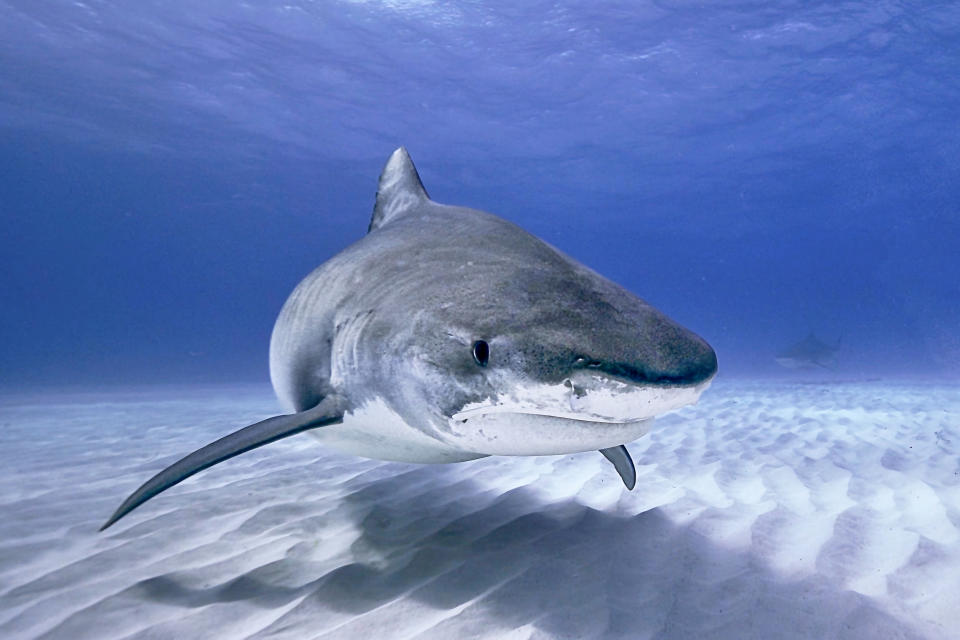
point(398, 191)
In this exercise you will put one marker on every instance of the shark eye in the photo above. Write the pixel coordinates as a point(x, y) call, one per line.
point(481, 352)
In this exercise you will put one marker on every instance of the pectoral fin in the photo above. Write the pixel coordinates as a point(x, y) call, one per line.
point(329, 411)
point(623, 463)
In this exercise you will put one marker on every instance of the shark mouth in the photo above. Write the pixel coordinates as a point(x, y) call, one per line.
point(559, 419)
point(550, 413)
point(597, 399)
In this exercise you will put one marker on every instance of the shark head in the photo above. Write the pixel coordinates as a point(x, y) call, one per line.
point(544, 356)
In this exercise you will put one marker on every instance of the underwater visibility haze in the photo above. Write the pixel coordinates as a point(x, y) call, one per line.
point(756, 170)
point(780, 178)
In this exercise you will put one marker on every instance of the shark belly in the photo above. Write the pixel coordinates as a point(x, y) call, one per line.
point(374, 430)
point(530, 434)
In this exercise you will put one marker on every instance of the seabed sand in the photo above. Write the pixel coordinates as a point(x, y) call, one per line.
point(766, 511)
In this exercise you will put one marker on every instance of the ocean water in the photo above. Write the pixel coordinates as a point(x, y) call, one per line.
point(759, 171)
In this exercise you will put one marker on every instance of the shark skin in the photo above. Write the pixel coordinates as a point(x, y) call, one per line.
point(448, 334)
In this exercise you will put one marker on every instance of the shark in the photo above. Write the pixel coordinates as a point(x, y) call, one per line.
point(448, 334)
point(809, 353)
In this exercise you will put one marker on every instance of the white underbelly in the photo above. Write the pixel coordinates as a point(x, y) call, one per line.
point(528, 434)
point(376, 431)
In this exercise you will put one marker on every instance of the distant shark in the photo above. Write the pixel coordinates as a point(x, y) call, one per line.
point(448, 334)
point(809, 353)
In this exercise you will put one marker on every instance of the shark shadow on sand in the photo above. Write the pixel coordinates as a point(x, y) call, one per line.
point(485, 564)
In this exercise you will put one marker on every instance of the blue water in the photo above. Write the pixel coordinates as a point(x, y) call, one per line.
point(758, 170)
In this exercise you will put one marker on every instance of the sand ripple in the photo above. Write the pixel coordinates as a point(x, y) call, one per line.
point(767, 511)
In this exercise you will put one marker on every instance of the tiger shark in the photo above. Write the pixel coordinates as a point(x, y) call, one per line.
point(448, 334)
point(809, 353)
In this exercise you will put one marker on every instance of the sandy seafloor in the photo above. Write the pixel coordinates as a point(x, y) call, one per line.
point(769, 510)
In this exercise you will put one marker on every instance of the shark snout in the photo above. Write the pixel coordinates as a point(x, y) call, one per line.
point(693, 363)
point(684, 359)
